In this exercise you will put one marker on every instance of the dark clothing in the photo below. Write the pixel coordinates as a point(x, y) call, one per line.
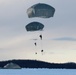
point(40, 37)
point(35, 43)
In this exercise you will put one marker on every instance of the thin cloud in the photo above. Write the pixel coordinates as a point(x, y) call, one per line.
point(65, 39)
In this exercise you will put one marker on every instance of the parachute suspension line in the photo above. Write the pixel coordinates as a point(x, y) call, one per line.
point(42, 47)
point(36, 44)
point(35, 47)
point(41, 38)
point(41, 44)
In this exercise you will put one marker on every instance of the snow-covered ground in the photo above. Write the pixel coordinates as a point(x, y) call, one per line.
point(37, 71)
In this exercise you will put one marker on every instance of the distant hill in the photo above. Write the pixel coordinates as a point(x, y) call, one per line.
point(39, 64)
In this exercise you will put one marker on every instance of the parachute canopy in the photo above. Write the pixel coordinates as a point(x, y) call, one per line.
point(41, 10)
point(34, 26)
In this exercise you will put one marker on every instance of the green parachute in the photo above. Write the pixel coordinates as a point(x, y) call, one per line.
point(34, 26)
point(41, 10)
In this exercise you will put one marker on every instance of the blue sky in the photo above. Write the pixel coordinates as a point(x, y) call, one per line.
point(59, 34)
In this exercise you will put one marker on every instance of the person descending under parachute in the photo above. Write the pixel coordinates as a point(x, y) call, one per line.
point(40, 10)
point(35, 26)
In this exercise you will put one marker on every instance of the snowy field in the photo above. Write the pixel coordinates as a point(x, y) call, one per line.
point(37, 71)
